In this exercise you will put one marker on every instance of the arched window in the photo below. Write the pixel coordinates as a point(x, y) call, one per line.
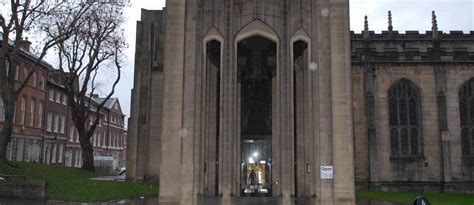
point(466, 113)
point(404, 119)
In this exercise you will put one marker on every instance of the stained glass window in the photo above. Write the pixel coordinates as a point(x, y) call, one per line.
point(404, 119)
point(466, 114)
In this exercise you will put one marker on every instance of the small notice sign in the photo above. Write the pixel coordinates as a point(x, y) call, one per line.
point(327, 172)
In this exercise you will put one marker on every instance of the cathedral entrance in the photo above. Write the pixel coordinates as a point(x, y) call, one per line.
point(256, 60)
point(256, 168)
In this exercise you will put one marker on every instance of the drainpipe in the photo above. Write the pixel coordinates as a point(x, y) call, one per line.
point(45, 113)
point(107, 144)
point(66, 123)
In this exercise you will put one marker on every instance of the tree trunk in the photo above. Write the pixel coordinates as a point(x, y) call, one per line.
point(5, 138)
point(87, 153)
point(3, 144)
point(80, 121)
point(9, 100)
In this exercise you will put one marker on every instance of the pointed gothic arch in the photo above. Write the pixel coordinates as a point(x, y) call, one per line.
point(466, 115)
point(404, 106)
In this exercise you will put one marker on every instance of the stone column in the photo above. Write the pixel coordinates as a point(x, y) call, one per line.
point(369, 90)
point(441, 89)
point(171, 146)
point(188, 132)
point(225, 139)
point(155, 108)
point(324, 142)
point(140, 125)
point(133, 122)
point(342, 115)
point(286, 108)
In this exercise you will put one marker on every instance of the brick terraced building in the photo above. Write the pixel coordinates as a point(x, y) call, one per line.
point(43, 128)
point(29, 115)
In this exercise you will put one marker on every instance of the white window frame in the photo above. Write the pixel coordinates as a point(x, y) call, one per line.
point(17, 72)
point(64, 99)
point(104, 142)
point(120, 140)
point(60, 156)
point(14, 113)
point(63, 124)
point(109, 144)
point(56, 123)
point(32, 112)
point(53, 152)
point(40, 115)
point(98, 140)
point(41, 82)
point(71, 134)
point(51, 94)
point(34, 80)
point(26, 72)
point(49, 124)
point(76, 159)
point(93, 140)
point(23, 110)
point(58, 97)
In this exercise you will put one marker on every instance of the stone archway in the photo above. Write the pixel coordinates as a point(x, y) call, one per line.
point(256, 68)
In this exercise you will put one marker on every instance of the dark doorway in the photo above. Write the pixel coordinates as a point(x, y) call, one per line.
point(300, 72)
point(211, 118)
point(256, 61)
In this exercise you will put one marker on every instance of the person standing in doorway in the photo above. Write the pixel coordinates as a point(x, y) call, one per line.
point(252, 177)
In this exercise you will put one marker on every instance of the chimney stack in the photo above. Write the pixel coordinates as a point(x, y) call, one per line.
point(25, 44)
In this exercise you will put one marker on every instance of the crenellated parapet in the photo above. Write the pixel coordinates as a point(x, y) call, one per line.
point(412, 46)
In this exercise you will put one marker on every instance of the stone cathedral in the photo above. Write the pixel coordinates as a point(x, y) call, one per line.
point(279, 99)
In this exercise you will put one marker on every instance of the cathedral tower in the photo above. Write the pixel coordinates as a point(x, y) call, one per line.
point(244, 98)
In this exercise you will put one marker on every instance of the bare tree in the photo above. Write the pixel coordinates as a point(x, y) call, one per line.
point(95, 49)
point(24, 16)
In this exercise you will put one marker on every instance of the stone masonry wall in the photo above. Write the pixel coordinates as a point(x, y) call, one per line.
point(437, 65)
point(25, 189)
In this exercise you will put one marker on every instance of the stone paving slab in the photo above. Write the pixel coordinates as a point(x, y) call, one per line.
point(110, 178)
point(206, 201)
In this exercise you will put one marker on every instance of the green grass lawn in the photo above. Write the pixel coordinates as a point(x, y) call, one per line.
point(72, 184)
point(408, 197)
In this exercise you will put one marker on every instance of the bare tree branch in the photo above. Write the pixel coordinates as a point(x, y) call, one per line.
point(24, 16)
point(95, 46)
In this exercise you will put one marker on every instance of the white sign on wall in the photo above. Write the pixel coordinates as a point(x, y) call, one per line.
point(327, 172)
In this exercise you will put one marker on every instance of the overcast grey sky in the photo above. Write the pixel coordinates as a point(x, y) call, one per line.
point(407, 15)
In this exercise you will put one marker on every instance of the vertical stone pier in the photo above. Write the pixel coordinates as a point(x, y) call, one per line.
point(342, 115)
point(172, 158)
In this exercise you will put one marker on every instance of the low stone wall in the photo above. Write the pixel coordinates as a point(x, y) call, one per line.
point(459, 187)
point(407, 186)
point(25, 189)
point(447, 187)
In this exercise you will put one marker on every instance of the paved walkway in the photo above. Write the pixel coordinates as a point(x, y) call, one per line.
point(110, 178)
point(208, 201)
point(276, 201)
